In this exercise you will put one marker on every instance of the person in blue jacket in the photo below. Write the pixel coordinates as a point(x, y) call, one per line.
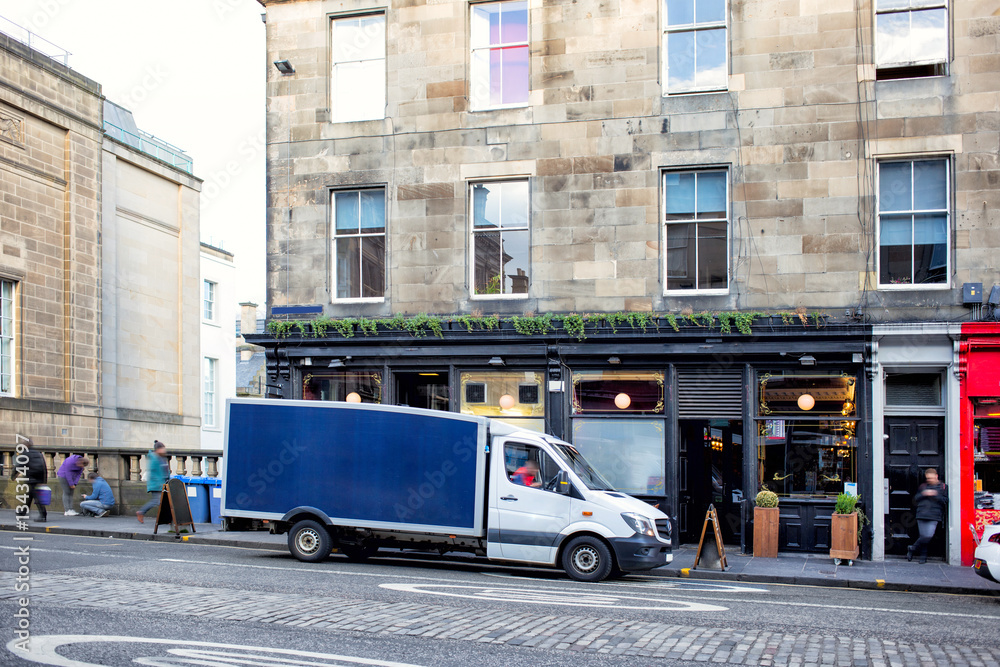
point(157, 471)
point(101, 500)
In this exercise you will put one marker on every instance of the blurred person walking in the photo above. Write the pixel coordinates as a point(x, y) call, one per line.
point(931, 500)
point(157, 473)
point(38, 474)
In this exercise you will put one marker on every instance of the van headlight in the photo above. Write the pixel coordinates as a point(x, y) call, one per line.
point(639, 524)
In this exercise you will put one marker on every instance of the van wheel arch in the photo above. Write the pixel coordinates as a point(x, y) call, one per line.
point(587, 557)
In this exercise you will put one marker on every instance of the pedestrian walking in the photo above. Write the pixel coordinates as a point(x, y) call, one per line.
point(101, 499)
point(931, 499)
point(157, 472)
point(69, 475)
point(37, 474)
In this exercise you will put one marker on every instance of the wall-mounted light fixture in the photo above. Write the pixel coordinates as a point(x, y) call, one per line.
point(284, 67)
point(353, 397)
point(495, 361)
point(806, 402)
point(336, 363)
point(622, 401)
point(807, 360)
point(507, 402)
point(614, 361)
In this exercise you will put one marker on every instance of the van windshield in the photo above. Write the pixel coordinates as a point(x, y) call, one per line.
point(593, 479)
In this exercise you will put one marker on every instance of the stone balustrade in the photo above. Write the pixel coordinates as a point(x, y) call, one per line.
point(123, 468)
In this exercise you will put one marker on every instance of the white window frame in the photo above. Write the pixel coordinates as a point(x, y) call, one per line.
point(473, 232)
point(910, 7)
point(209, 395)
point(346, 112)
point(360, 235)
point(8, 335)
point(208, 296)
point(695, 27)
point(479, 102)
point(664, 224)
point(948, 222)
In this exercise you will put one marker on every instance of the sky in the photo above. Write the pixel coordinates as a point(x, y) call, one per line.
point(192, 72)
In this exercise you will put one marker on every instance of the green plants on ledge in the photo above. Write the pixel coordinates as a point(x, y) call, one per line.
point(573, 325)
point(473, 322)
point(532, 324)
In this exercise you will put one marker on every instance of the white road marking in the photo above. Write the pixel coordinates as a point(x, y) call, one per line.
point(541, 584)
point(833, 607)
point(44, 650)
point(564, 599)
point(650, 582)
point(35, 550)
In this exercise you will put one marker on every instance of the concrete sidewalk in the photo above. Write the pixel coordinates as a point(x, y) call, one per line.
point(802, 569)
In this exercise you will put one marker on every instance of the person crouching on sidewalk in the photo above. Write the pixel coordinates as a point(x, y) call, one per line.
point(69, 475)
point(101, 500)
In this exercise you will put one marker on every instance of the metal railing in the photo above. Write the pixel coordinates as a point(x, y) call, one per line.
point(150, 145)
point(33, 41)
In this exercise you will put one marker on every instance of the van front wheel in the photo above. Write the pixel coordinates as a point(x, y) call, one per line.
point(587, 558)
point(309, 542)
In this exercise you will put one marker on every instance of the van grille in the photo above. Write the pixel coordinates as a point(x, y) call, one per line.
point(663, 528)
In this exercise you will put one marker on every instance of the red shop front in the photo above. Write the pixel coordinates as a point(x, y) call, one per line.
point(980, 424)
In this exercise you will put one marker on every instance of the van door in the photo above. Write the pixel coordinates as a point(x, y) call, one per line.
point(531, 514)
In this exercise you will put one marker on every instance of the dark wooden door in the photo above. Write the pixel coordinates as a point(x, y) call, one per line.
point(914, 445)
point(804, 525)
point(686, 522)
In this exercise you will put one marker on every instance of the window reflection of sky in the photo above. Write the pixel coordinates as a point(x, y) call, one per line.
point(629, 453)
point(357, 85)
point(904, 38)
point(696, 60)
point(499, 36)
point(502, 206)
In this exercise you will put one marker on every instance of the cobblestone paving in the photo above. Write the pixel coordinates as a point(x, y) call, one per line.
point(590, 635)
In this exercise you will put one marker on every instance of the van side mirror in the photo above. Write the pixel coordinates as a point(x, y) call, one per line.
point(562, 483)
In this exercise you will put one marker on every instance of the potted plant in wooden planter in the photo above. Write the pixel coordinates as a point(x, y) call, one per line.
point(845, 529)
point(765, 524)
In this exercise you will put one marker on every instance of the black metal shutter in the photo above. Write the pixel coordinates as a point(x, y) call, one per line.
point(709, 394)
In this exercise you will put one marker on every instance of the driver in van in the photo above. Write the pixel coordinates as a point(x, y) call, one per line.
point(527, 475)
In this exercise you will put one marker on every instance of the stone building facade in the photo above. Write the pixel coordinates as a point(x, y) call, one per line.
point(151, 289)
point(50, 223)
point(218, 342)
point(834, 164)
point(99, 276)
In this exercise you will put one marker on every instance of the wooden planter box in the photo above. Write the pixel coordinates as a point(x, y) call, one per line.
point(844, 537)
point(765, 532)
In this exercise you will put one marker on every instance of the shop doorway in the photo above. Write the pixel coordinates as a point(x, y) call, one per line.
point(913, 446)
point(424, 389)
point(711, 473)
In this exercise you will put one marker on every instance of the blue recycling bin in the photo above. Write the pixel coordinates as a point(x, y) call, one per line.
point(213, 487)
point(197, 496)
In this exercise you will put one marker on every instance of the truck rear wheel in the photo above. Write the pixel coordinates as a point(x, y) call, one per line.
point(587, 558)
point(309, 542)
